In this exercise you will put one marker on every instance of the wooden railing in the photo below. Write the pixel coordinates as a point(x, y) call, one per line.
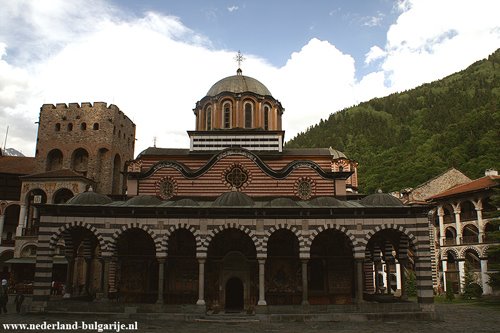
point(468, 216)
point(470, 239)
point(450, 241)
point(449, 219)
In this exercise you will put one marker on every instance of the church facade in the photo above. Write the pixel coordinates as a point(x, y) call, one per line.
point(234, 223)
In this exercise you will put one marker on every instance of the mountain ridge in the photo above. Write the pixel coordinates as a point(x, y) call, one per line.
point(405, 138)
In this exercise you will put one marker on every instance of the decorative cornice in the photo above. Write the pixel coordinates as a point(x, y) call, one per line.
point(276, 174)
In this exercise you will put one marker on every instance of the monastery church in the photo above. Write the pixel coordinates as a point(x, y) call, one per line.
point(236, 222)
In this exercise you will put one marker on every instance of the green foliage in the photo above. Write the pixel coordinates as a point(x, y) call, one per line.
point(471, 288)
point(404, 139)
point(410, 283)
point(494, 251)
point(450, 295)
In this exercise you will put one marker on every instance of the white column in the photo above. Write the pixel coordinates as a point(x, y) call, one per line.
point(480, 224)
point(161, 278)
point(457, 225)
point(445, 268)
point(262, 294)
point(2, 221)
point(22, 221)
point(461, 268)
point(359, 280)
point(399, 282)
point(442, 232)
point(305, 295)
point(201, 282)
point(485, 277)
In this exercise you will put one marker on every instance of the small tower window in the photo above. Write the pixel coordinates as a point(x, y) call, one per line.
point(70, 127)
point(209, 118)
point(83, 126)
point(266, 117)
point(58, 127)
point(227, 115)
point(248, 115)
point(96, 126)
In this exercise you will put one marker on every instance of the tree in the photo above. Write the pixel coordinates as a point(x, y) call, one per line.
point(471, 288)
point(494, 251)
point(410, 283)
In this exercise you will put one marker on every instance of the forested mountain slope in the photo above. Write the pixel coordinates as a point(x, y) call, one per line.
point(406, 138)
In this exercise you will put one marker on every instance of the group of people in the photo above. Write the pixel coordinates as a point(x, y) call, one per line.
point(4, 298)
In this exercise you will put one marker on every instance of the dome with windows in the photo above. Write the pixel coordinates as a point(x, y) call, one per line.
point(238, 84)
point(89, 198)
point(382, 200)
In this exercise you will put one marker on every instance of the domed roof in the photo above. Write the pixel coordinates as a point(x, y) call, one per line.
point(185, 202)
point(336, 153)
point(239, 84)
point(89, 198)
point(282, 202)
point(233, 198)
point(143, 200)
point(381, 199)
point(326, 202)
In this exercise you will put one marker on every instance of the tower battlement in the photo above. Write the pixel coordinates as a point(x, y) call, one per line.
point(94, 139)
point(83, 106)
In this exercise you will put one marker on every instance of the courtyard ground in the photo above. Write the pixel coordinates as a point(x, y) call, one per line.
point(456, 317)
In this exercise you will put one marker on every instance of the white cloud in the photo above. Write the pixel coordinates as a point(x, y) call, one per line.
point(433, 39)
point(232, 8)
point(155, 68)
point(373, 21)
point(315, 82)
point(375, 53)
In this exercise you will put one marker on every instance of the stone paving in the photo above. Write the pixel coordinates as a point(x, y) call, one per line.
point(455, 318)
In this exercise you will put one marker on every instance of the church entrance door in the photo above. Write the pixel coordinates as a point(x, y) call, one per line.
point(234, 295)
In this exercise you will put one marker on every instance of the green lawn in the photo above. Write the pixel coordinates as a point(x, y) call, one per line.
point(487, 301)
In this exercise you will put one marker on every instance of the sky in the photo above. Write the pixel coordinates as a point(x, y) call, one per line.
point(155, 59)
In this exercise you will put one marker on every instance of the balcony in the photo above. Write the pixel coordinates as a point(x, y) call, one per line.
point(449, 219)
point(33, 231)
point(8, 242)
point(470, 239)
point(450, 241)
point(468, 216)
point(489, 239)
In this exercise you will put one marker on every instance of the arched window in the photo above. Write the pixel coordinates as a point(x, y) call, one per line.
point(248, 115)
point(209, 118)
point(54, 160)
point(83, 126)
point(70, 127)
point(62, 196)
point(58, 127)
point(96, 126)
point(79, 161)
point(227, 115)
point(266, 117)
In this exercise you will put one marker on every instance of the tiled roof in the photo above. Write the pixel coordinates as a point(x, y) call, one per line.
point(483, 183)
point(62, 173)
point(17, 165)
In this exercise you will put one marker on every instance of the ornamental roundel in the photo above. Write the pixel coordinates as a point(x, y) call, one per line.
point(166, 188)
point(236, 176)
point(304, 188)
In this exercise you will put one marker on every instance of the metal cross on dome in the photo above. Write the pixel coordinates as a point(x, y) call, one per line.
point(239, 59)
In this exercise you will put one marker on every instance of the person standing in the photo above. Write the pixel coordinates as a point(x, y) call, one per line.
point(19, 300)
point(4, 296)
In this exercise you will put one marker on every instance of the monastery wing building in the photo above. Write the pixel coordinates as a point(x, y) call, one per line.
point(235, 222)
